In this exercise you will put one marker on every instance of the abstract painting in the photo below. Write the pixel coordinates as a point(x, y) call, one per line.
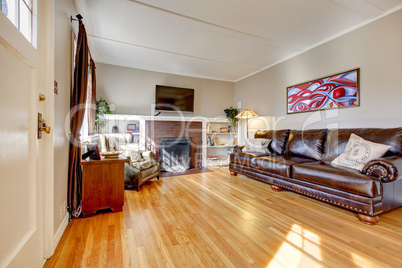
point(335, 91)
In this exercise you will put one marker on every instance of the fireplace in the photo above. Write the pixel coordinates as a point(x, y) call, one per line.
point(174, 154)
point(191, 131)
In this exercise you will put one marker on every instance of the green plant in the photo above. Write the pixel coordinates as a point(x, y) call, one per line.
point(230, 115)
point(102, 108)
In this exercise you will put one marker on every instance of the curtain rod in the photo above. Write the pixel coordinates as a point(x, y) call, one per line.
point(79, 18)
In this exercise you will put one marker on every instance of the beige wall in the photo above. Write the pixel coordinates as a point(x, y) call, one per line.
point(375, 48)
point(133, 90)
point(62, 72)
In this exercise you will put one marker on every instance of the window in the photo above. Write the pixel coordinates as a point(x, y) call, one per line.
point(21, 14)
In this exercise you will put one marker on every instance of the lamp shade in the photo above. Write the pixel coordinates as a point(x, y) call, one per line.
point(246, 114)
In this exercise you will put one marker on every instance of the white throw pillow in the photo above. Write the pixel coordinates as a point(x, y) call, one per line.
point(259, 146)
point(359, 152)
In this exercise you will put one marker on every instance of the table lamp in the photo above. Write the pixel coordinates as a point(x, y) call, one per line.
point(246, 114)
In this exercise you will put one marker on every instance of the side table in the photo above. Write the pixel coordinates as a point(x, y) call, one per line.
point(102, 185)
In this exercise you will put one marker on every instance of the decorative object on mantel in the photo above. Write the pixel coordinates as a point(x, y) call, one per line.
point(246, 114)
point(335, 91)
point(102, 108)
point(231, 116)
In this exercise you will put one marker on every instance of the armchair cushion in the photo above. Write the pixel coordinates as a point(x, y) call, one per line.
point(144, 164)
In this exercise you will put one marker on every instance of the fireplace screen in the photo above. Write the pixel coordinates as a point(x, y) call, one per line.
point(174, 154)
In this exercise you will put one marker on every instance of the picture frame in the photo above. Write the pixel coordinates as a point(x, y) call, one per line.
point(132, 128)
point(339, 90)
point(223, 130)
point(215, 142)
point(93, 151)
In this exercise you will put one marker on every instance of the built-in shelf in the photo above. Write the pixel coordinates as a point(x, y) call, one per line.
point(215, 136)
point(221, 146)
point(218, 133)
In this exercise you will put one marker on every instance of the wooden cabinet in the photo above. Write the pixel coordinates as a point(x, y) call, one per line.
point(102, 185)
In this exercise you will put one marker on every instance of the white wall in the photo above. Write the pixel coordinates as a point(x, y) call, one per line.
point(133, 90)
point(62, 53)
point(375, 48)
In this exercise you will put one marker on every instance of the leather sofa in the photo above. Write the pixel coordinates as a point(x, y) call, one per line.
point(300, 161)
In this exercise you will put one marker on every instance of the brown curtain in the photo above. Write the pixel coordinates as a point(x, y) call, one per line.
point(77, 110)
point(91, 98)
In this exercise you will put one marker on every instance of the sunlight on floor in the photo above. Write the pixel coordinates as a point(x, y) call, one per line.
point(361, 262)
point(301, 249)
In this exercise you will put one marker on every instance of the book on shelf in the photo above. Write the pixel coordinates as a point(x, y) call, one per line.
point(211, 157)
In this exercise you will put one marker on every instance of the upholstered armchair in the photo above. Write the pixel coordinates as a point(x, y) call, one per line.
point(140, 168)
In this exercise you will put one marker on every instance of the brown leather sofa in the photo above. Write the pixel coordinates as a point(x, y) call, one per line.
point(300, 161)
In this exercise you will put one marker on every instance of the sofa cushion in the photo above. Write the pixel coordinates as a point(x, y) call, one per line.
point(242, 158)
point(306, 143)
point(359, 152)
point(100, 140)
point(280, 165)
point(337, 177)
point(257, 146)
point(278, 137)
point(338, 138)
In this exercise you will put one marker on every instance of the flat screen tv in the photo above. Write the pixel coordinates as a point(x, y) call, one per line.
point(168, 99)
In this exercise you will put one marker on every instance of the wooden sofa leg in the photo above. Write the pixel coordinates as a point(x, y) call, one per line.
point(157, 177)
point(276, 188)
point(368, 219)
point(233, 173)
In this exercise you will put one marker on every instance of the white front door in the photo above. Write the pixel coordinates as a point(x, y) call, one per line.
point(22, 174)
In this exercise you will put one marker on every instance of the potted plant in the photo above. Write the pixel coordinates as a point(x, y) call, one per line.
point(102, 108)
point(231, 116)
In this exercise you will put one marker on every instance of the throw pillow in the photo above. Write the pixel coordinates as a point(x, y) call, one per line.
point(135, 157)
point(147, 155)
point(111, 144)
point(259, 146)
point(359, 152)
point(102, 142)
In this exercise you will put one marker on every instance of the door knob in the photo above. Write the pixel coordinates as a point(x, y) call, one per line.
point(42, 126)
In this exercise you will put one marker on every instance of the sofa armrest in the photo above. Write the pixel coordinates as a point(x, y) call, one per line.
point(385, 168)
point(238, 148)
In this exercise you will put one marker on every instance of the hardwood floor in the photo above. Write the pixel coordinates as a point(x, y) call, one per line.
point(216, 220)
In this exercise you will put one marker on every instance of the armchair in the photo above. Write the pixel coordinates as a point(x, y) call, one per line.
point(141, 168)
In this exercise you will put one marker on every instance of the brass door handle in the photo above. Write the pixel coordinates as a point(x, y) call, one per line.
point(42, 126)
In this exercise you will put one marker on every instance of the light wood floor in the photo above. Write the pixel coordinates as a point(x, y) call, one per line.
point(217, 220)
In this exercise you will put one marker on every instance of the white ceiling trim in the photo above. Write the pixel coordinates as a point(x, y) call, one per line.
point(323, 42)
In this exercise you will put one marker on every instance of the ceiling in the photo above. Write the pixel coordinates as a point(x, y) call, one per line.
point(218, 39)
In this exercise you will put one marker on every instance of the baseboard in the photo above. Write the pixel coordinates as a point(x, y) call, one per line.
point(60, 231)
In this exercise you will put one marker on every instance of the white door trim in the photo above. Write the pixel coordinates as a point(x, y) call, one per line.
point(46, 49)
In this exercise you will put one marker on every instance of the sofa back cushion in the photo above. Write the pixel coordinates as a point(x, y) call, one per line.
point(306, 143)
point(338, 138)
point(278, 137)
